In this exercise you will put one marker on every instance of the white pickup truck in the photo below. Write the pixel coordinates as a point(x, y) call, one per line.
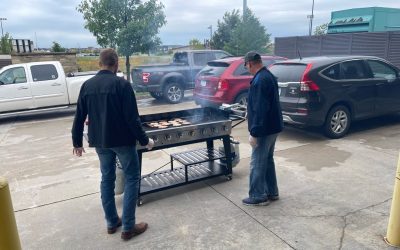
point(37, 86)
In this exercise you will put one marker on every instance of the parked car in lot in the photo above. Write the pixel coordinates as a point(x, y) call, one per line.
point(225, 81)
point(169, 81)
point(29, 87)
point(334, 91)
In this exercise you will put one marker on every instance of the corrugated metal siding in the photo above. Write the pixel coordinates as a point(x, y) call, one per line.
point(286, 46)
point(309, 46)
point(369, 44)
point(394, 49)
point(337, 44)
point(382, 44)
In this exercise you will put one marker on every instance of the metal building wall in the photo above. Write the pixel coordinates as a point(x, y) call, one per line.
point(382, 44)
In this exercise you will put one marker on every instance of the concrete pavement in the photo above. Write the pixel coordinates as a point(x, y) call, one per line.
point(335, 194)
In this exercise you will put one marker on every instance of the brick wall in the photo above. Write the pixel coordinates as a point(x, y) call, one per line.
point(68, 60)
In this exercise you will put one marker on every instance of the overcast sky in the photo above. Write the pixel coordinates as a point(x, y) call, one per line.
point(55, 20)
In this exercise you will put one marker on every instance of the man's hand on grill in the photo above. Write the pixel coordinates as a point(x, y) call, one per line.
point(253, 141)
point(150, 145)
point(78, 151)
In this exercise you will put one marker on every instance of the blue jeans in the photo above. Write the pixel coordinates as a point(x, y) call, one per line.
point(262, 168)
point(130, 165)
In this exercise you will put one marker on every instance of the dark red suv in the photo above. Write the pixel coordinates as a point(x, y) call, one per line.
point(225, 81)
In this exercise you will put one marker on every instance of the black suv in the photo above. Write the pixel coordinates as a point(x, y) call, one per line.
point(333, 91)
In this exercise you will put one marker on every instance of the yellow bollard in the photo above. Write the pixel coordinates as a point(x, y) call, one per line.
point(393, 232)
point(9, 239)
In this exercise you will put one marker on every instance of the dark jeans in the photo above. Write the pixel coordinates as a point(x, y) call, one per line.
point(262, 168)
point(130, 165)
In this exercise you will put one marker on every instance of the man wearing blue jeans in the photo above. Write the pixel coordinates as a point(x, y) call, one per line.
point(264, 123)
point(114, 127)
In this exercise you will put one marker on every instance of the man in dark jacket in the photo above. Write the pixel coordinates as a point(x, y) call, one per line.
point(264, 123)
point(114, 127)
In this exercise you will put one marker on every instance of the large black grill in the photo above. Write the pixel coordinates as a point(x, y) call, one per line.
point(203, 125)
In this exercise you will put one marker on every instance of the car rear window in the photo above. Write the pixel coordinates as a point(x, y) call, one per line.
point(288, 72)
point(214, 69)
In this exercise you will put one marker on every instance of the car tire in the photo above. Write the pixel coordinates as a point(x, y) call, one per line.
point(156, 95)
point(173, 92)
point(242, 99)
point(337, 122)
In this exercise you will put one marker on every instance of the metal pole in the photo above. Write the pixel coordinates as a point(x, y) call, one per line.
point(1, 21)
point(9, 238)
point(393, 231)
point(311, 19)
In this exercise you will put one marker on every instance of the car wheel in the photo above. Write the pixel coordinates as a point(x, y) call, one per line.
point(156, 95)
point(242, 99)
point(173, 92)
point(337, 122)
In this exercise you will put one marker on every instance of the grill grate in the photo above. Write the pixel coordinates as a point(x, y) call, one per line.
point(197, 156)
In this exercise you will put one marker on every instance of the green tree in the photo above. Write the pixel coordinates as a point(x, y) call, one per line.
point(127, 25)
point(5, 44)
point(57, 47)
point(321, 29)
point(248, 35)
point(196, 44)
point(223, 34)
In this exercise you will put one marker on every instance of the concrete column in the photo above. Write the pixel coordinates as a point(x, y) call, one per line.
point(9, 239)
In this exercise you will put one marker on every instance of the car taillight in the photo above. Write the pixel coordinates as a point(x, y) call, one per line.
point(145, 77)
point(223, 85)
point(306, 83)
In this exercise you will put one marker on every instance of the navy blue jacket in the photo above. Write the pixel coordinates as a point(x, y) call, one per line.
point(264, 113)
point(110, 104)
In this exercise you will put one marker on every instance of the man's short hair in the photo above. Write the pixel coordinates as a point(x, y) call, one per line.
point(108, 57)
point(252, 56)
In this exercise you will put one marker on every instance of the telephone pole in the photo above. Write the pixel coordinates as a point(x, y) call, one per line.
point(1, 22)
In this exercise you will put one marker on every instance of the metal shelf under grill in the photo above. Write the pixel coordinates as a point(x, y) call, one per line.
point(198, 156)
point(176, 177)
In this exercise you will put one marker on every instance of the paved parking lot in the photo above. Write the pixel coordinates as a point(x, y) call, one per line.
point(335, 194)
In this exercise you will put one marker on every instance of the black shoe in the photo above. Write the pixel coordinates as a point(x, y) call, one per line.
point(255, 202)
point(273, 197)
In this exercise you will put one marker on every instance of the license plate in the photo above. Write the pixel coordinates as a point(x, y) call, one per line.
point(203, 83)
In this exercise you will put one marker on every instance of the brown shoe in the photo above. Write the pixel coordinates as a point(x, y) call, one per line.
point(136, 230)
point(111, 230)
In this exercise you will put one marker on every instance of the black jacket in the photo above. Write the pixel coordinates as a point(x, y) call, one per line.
point(110, 104)
point(264, 110)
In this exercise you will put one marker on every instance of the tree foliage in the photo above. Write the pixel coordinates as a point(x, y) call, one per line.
point(239, 34)
point(196, 44)
point(5, 44)
point(222, 35)
point(248, 35)
point(321, 29)
point(57, 47)
point(127, 25)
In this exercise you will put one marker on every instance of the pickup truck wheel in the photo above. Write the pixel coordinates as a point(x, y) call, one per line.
point(242, 99)
point(173, 92)
point(156, 95)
